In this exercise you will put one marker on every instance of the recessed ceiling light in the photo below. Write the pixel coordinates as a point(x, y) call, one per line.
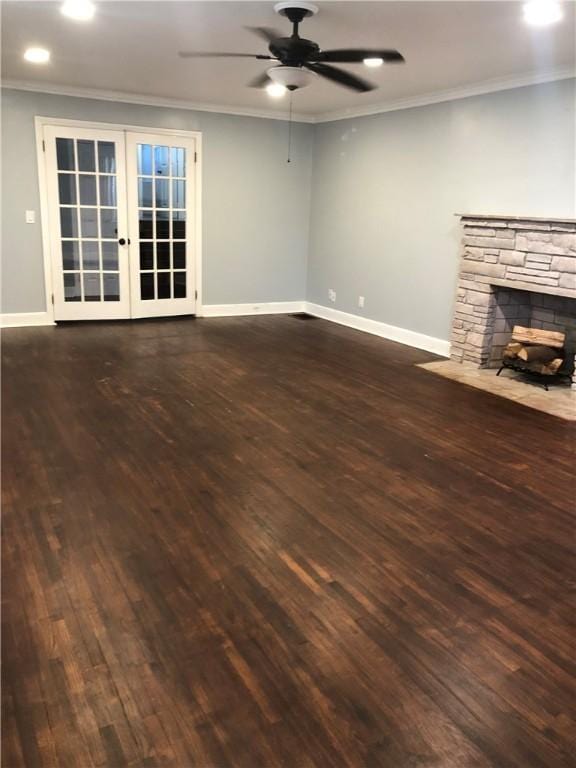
point(540, 13)
point(276, 90)
point(81, 10)
point(375, 61)
point(37, 55)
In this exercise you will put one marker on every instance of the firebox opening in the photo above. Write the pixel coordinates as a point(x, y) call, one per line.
point(533, 310)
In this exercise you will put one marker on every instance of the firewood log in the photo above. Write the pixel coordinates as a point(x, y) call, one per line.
point(538, 336)
point(546, 369)
point(511, 350)
point(537, 353)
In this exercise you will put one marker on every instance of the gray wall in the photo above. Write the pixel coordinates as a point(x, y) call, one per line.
point(255, 206)
point(385, 190)
point(382, 191)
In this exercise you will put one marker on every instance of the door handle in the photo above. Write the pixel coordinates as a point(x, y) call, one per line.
point(123, 241)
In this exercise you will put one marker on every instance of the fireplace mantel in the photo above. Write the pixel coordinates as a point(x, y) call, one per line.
point(493, 217)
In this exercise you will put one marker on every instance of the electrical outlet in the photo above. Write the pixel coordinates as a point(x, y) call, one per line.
point(360, 301)
point(30, 217)
point(331, 294)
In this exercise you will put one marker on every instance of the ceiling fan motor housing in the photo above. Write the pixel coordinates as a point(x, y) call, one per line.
point(294, 51)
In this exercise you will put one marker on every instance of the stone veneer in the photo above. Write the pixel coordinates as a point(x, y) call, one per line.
point(513, 270)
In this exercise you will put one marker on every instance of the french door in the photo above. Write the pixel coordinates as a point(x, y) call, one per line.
point(121, 218)
point(160, 207)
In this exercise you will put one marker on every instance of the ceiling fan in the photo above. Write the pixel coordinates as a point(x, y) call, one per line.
point(300, 59)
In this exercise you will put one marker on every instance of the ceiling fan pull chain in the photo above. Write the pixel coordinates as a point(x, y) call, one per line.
point(290, 128)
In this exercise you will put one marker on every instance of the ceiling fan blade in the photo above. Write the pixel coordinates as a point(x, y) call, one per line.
point(357, 55)
point(261, 81)
point(266, 33)
point(341, 77)
point(212, 55)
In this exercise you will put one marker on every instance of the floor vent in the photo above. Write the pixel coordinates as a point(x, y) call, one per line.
point(302, 316)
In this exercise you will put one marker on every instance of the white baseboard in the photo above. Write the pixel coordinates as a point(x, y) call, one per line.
point(391, 332)
point(256, 308)
point(23, 319)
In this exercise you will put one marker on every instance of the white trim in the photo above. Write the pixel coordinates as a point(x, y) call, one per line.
point(254, 308)
point(452, 94)
point(44, 218)
point(149, 101)
point(23, 319)
point(198, 240)
point(391, 332)
point(420, 100)
point(93, 124)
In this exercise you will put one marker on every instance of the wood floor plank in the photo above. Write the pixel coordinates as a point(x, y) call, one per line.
point(248, 542)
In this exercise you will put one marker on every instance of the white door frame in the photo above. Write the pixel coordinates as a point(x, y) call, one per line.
point(40, 122)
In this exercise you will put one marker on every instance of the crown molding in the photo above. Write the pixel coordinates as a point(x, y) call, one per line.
point(436, 97)
point(149, 101)
point(452, 94)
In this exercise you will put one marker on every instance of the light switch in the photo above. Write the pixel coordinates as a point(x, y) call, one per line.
point(30, 217)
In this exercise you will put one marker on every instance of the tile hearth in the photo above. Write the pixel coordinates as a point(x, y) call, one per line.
point(560, 401)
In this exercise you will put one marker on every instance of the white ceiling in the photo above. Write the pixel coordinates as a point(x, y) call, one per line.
point(131, 47)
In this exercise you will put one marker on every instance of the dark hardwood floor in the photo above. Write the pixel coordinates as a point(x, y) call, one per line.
point(272, 542)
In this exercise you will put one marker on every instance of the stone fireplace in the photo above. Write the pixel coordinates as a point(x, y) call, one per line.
point(514, 271)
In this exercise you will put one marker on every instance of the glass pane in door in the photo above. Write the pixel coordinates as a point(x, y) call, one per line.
point(162, 221)
point(88, 219)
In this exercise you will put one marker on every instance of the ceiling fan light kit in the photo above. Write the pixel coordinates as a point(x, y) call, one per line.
point(300, 59)
point(276, 90)
point(291, 77)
